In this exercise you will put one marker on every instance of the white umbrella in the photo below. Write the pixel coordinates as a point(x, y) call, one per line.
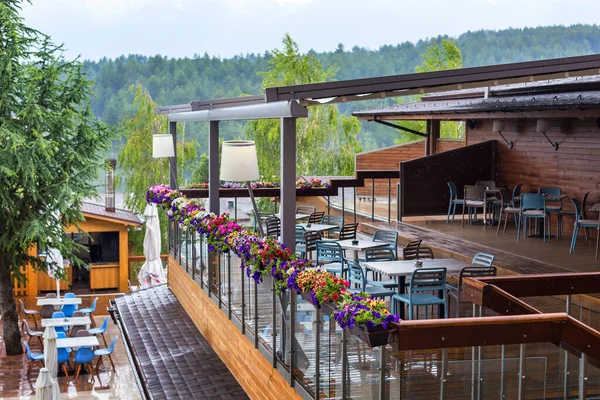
point(51, 359)
point(43, 385)
point(151, 272)
point(53, 255)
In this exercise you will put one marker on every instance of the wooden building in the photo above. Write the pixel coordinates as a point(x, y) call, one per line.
point(106, 238)
point(546, 133)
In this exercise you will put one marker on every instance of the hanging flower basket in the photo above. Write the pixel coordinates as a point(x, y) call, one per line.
point(327, 307)
point(376, 336)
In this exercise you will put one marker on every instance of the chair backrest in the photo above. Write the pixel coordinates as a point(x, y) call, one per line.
point(383, 235)
point(111, 348)
point(550, 191)
point(356, 274)
point(474, 192)
point(75, 329)
point(93, 307)
point(468, 272)
point(61, 335)
point(58, 314)
point(379, 255)
point(68, 309)
point(82, 333)
point(425, 253)
point(329, 251)
point(486, 184)
point(69, 295)
point(105, 324)
point(310, 240)
point(78, 314)
point(46, 311)
point(273, 225)
point(27, 328)
point(84, 355)
point(22, 306)
point(411, 251)
point(28, 351)
point(316, 217)
point(333, 220)
point(578, 211)
point(427, 279)
point(453, 191)
point(516, 193)
point(483, 259)
point(300, 234)
point(348, 231)
point(50, 295)
point(532, 201)
point(583, 206)
point(305, 209)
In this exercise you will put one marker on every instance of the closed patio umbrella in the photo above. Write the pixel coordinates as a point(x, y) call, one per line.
point(51, 360)
point(53, 255)
point(151, 272)
point(43, 385)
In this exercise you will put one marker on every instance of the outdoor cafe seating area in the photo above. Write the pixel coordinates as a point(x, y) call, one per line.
point(407, 277)
point(81, 345)
point(532, 212)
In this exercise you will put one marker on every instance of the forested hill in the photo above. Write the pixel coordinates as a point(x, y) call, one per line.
point(173, 81)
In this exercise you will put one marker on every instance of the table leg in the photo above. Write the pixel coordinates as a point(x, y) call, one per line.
point(356, 256)
point(401, 287)
point(441, 311)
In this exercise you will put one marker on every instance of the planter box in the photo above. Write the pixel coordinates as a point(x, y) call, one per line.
point(260, 192)
point(376, 336)
point(327, 308)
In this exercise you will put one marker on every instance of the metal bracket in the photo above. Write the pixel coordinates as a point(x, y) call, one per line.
point(508, 142)
point(554, 144)
point(401, 128)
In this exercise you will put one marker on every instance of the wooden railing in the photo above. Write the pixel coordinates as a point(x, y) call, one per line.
point(140, 259)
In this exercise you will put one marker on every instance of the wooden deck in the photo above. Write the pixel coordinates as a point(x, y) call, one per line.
point(527, 256)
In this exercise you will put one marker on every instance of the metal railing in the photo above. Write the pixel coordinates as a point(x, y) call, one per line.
point(465, 357)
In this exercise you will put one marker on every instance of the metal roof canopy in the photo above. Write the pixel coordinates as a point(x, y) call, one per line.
point(438, 81)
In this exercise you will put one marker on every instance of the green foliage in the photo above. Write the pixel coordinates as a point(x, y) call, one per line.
point(52, 145)
point(138, 169)
point(180, 80)
point(326, 142)
point(440, 58)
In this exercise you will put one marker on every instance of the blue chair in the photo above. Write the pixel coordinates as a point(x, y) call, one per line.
point(382, 254)
point(33, 358)
point(331, 255)
point(84, 356)
point(101, 353)
point(300, 247)
point(357, 277)
point(424, 280)
point(59, 314)
point(580, 223)
point(333, 220)
point(454, 201)
point(310, 243)
point(553, 206)
point(63, 354)
point(474, 198)
point(69, 309)
point(390, 237)
point(101, 330)
point(533, 206)
point(90, 311)
point(470, 272)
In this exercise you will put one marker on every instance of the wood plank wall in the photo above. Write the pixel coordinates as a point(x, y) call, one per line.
point(574, 167)
point(389, 159)
point(251, 369)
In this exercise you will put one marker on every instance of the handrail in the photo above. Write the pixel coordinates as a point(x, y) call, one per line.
point(547, 284)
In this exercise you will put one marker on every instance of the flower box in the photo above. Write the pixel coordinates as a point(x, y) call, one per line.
point(328, 307)
point(376, 336)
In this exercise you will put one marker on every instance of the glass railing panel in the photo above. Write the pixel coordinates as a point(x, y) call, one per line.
point(305, 327)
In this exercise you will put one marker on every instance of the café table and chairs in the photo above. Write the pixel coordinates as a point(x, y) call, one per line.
point(554, 197)
point(359, 283)
point(66, 321)
point(317, 227)
point(330, 256)
point(360, 245)
point(532, 207)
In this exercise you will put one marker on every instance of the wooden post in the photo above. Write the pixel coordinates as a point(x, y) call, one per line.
point(433, 134)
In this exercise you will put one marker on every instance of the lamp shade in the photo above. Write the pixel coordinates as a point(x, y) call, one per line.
point(162, 146)
point(498, 125)
point(543, 125)
point(238, 161)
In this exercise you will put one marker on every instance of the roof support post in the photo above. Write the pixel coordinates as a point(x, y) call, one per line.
point(433, 134)
point(213, 167)
point(288, 182)
point(173, 160)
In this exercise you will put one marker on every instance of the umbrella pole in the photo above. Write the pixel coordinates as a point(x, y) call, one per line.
point(58, 288)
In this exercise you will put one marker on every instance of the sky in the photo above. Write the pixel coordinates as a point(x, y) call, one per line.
point(94, 29)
